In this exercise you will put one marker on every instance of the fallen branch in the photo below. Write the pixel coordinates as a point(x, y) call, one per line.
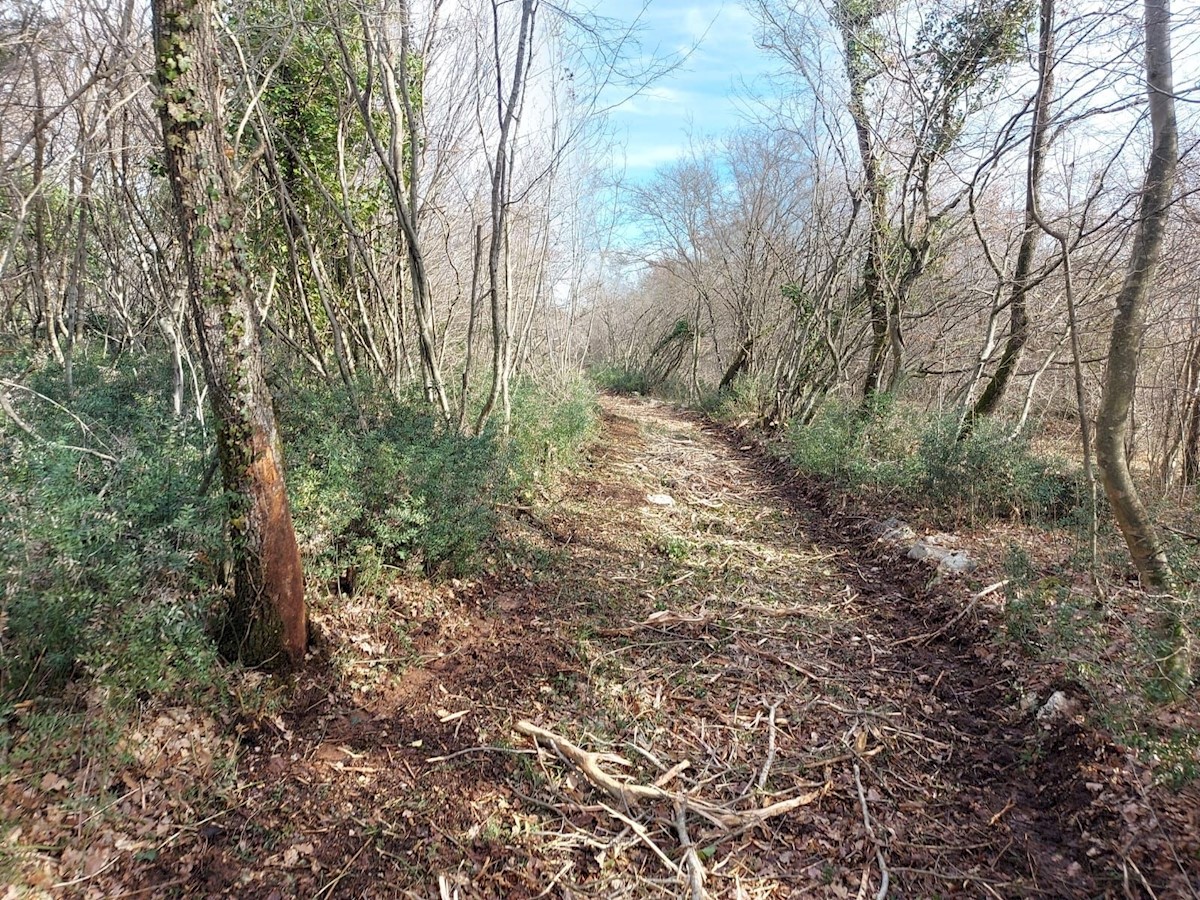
point(631, 794)
point(695, 868)
point(766, 769)
point(1179, 531)
point(589, 764)
point(668, 776)
point(468, 750)
point(966, 610)
point(866, 814)
point(6, 405)
point(644, 836)
point(776, 658)
point(327, 889)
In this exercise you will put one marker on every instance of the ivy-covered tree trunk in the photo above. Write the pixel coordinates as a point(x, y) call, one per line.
point(1124, 349)
point(853, 18)
point(266, 622)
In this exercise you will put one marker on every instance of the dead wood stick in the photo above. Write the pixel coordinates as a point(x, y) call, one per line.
point(758, 816)
point(644, 836)
point(776, 658)
point(883, 869)
point(12, 413)
point(649, 757)
point(779, 612)
point(589, 764)
point(695, 868)
point(631, 794)
point(1179, 531)
point(668, 776)
point(327, 889)
point(767, 763)
point(966, 610)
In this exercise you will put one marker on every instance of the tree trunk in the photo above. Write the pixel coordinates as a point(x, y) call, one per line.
point(508, 115)
point(738, 365)
point(266, 622)
point(1190, 415)
point(1120, 375)
point(1039, 140)
point(852, 21)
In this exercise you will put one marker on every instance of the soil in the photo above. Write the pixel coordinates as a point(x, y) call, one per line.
point(750, 642)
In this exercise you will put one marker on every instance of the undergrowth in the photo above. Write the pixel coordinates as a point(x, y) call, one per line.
point(113, 559)
point(1052, 612)
point(987, 475)
point(106, 561)
point(620, 379)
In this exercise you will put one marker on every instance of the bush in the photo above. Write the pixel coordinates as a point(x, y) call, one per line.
point(550, 426)
point(744, 400)
point(621, 380)
point(111, 566)
point(992, 475)
point(393, 487)
point(101, 558)
point(986, 475)
point(847, 445)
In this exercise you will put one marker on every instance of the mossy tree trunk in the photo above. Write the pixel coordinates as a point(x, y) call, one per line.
point(853, 18)
point(1120, 376)
point(266, 623)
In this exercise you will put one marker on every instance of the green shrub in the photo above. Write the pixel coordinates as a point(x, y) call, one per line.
point(986, 475)
point(550, 425)
point(621, 379)
point(851, 446)
point(111, 566)
point(388, 487)
point(98, 556)
point(393, 486)
point(990, 474)
point(745, 399)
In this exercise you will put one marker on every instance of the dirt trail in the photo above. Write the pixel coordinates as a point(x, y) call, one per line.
point(745, 628)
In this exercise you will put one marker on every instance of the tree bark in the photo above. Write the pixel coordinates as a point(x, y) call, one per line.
point(1120, 376)
point(852, 22)
point(266, 623)
point(508, 115)
point(1039, 140)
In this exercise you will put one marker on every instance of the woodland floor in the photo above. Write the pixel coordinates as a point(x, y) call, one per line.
point(820, 720)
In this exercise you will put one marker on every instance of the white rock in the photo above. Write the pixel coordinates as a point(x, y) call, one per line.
point(895, 531)
point(1059, 706)
point(660, 499)
point(925, 549)
point(954, 562)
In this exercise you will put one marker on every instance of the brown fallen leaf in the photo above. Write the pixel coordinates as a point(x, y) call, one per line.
point(52, 782)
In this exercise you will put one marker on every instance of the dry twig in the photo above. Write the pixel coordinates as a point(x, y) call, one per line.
point(866, 814)
point(632, 794)
point(695, 868)
point(766, 769)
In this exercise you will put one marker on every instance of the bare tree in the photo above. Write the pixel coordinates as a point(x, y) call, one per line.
point(1124, 351)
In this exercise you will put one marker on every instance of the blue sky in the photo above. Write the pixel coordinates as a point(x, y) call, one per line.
point(703, 96)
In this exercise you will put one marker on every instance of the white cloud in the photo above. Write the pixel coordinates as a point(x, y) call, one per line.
point(654, 155)
point(698, 97)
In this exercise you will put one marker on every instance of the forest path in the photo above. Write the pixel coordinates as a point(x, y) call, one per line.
point(816, 716)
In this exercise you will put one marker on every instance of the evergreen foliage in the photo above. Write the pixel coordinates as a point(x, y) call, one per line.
point(113, 566)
